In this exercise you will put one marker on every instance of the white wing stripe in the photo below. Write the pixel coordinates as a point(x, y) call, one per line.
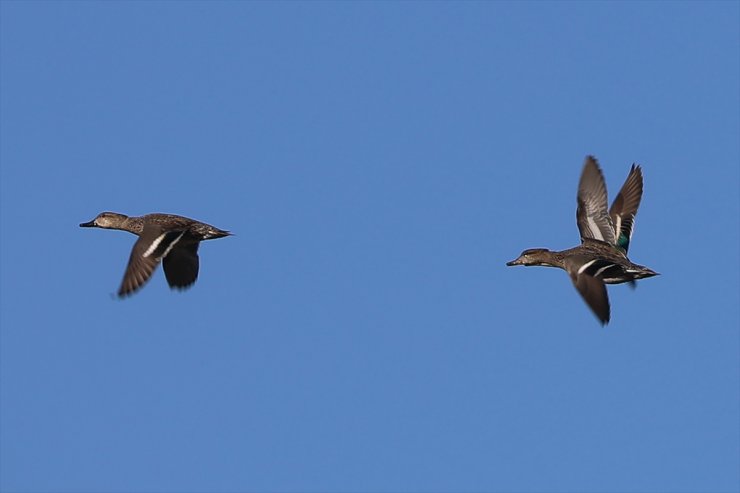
point(154, 245)
point(172, 245)
point(598, 272)
point(593, 226)
point(585, 266)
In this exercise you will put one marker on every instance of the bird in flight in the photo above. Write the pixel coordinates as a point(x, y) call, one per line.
point(601, 258)
point(168, 238)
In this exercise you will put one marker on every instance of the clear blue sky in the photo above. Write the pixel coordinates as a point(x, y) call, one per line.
point(379, 164)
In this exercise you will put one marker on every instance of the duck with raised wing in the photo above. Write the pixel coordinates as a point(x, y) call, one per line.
point(168, 238)
point(601, 258)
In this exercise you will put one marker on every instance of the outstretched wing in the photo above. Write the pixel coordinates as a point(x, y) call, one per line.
point(587, 278)
point(593, 292)
point(592, 215)
point(148, 250)
point(624, 208)
point(181, 265)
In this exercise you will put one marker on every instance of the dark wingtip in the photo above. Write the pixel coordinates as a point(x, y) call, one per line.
point(124, 293)
point(181, 288)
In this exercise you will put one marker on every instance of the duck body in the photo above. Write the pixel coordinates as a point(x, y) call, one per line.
point(167, 238)
point(594, 257)
point(601, 258)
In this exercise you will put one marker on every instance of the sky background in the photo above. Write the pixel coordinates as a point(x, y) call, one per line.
point(379, 164)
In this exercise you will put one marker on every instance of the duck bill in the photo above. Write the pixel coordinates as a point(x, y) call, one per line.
point(90, 224)
point(514, 262)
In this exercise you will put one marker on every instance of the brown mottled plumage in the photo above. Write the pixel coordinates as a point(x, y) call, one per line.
point(168, 238)
point(601, 258)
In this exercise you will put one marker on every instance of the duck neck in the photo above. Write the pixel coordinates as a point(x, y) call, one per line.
point(132, 225)
point(554, 259)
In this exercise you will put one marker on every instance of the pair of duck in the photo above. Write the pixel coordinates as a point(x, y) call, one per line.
point(600, 259)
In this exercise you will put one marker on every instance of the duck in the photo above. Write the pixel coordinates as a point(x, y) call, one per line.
point(601, 258)
point(167, 238)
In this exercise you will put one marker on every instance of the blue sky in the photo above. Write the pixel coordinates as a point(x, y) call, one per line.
point(379, 164)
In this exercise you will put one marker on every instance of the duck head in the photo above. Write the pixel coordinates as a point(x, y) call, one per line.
point(534, 256)
point(107, 220)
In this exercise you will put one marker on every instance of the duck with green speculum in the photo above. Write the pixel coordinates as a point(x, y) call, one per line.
point(601, 258)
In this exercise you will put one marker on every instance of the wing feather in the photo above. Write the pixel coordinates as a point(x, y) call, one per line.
point(592, 216)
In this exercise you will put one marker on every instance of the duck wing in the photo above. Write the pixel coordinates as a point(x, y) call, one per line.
point(181, 265)
point(152, 245)
point(593, 292)
point(624, 208)
point(586, 277)
point(592, 215)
